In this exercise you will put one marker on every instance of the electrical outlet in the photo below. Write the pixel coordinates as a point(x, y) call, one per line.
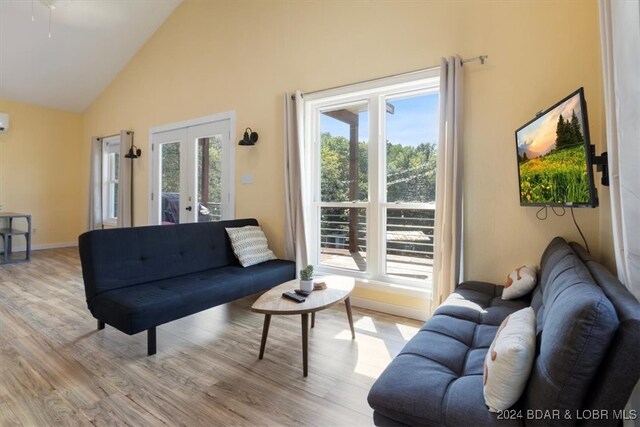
point(35, 230)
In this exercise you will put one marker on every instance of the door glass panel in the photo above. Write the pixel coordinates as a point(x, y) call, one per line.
point(412, 137)
point(343, 238)
point(344, 136)
point(170, 182)
point(409, 243)
point(209, 178)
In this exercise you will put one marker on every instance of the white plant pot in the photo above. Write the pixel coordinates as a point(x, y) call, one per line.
point(306, 285)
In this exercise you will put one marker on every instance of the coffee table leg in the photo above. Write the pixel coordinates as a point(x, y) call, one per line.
point(347, 304)
point(313, 319)
point(305, 342)
point(265, 332)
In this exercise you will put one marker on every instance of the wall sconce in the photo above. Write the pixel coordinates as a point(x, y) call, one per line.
point(250, 137)
point(133, 154)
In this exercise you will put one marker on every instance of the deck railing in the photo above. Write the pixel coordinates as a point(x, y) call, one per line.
point(409, 232)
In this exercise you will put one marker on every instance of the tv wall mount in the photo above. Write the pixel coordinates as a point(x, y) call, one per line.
point(602, 164)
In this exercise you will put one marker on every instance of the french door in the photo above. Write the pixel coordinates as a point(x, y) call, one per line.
point(192, 174)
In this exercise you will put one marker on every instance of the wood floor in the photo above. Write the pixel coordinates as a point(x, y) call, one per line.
point(58, 369)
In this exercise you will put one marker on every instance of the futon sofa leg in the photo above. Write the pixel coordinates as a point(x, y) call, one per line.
point(151, 341)
point(100, 324)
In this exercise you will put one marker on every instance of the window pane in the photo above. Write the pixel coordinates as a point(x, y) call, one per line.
point(170, 182)
point(113, 194)
point(409, 241)
point(116, 166)
point(412, 136)
point(209, 178)
point(343, 238)
point(344, 135)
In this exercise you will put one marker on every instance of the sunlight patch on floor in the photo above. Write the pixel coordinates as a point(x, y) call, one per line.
point(407, 331)
point(375, 359)
point(365, 324)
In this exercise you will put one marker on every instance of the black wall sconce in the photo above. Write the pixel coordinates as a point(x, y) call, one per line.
point(133, 154)
point(250, 137)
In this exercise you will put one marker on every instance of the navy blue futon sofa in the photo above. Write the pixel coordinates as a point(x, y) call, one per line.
point(587, 357)
point(138, 278)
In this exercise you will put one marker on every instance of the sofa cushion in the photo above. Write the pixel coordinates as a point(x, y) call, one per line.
point(577, 327)
point(619, 371)
point(480, 302)
point(509, 359)
point(137, 308)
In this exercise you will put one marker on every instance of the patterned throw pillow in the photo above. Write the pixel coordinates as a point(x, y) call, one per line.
point(520, 282)
point(509, 360)
point(250, 245)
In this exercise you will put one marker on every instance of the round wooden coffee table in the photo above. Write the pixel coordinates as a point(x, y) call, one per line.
point(273, 303)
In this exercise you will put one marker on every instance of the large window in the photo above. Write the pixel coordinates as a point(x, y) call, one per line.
point(110, 180)
point(372, 160)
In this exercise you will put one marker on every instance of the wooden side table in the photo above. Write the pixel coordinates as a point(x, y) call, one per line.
point(8, 232)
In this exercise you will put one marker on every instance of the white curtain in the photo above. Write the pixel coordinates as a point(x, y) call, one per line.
point(295, 205)
point(124, 180)
point(448, 217)
point(95, 185)
point(620, 41)
point(620, 38)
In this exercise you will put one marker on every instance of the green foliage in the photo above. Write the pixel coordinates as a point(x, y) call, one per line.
point(411, 171)
point(568, 132)
point(306, 273)
point(557, 177)
point(336, 179)
point(171, 169)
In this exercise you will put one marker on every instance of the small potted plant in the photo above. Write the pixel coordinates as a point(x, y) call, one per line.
point(306, 278)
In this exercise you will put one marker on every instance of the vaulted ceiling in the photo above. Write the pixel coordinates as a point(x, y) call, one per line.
point(91, 41)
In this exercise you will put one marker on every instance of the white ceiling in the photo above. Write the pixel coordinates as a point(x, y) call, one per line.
point(91, 41)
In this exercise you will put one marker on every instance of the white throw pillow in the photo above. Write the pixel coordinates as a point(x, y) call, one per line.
point(520, 282)
point(250, 245)
point(509, 360)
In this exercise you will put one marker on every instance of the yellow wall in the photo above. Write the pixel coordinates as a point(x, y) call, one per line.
point(39, 171)
point(216, 56)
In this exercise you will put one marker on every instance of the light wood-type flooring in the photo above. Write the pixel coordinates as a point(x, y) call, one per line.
point(56, 368)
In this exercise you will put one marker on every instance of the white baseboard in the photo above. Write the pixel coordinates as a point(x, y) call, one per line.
point(397, 310)
point(40, 246)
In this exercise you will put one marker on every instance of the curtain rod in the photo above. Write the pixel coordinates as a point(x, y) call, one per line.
point(108, 136)
point(481, 58)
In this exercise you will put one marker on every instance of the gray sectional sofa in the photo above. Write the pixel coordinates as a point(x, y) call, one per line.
point(587, 357)
point(138, 278)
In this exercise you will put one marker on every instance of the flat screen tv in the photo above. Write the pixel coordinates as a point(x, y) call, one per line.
point(555, 156)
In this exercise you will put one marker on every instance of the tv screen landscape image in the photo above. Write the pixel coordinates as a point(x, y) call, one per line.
point(554, 162)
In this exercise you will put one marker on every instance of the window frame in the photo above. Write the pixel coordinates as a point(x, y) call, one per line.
point(110, 147)
point(374, 94)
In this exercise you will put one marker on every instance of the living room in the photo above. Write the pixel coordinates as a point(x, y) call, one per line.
point(237, 60)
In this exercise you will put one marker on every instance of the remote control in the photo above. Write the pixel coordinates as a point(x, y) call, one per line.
point(293, 296)
point(302, 293)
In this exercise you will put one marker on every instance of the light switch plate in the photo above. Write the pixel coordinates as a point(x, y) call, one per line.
point(246, 179)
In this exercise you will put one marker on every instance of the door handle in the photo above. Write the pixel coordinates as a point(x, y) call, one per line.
point(189, 208)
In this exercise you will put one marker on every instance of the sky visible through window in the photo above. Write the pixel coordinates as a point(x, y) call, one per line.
point(415, 121)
